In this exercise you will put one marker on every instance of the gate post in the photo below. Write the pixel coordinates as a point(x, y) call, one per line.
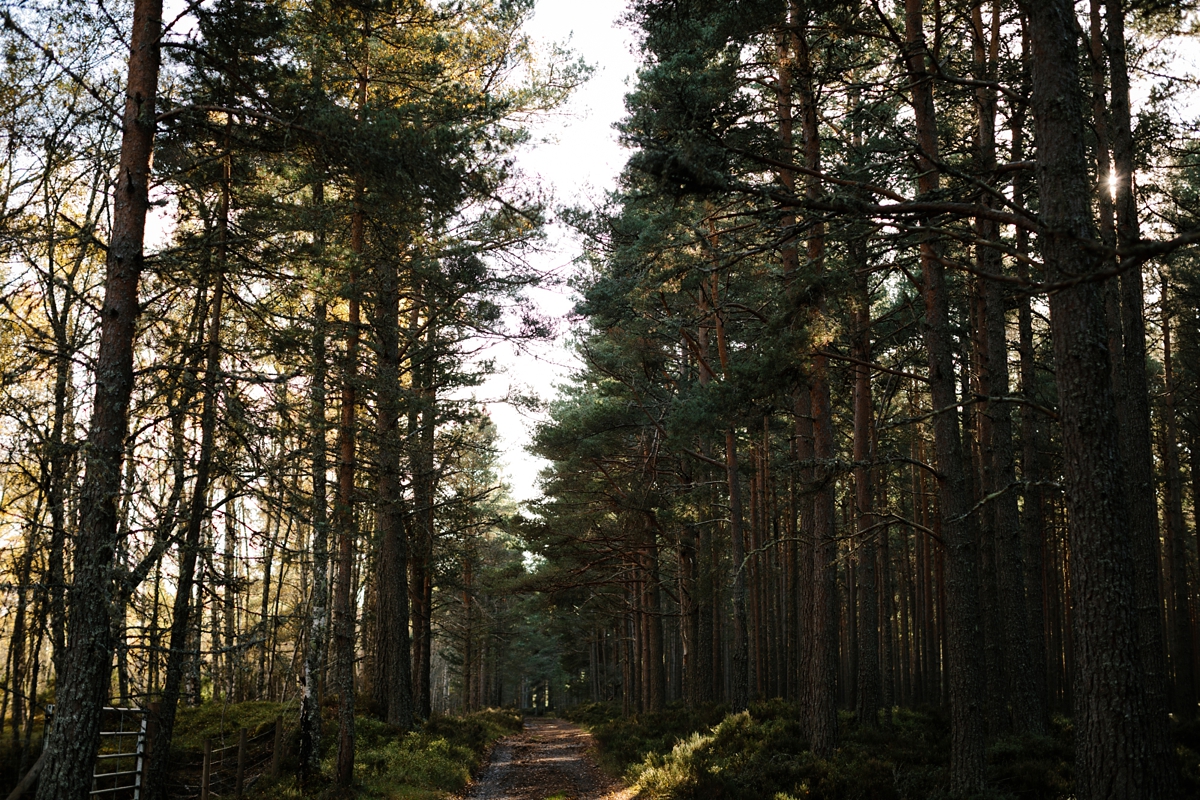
point(150, 733)
point(206, 771)
point(241, 764)
point(277, 748)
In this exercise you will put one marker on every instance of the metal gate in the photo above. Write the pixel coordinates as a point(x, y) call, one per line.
point(122, 757)
point(121, 760)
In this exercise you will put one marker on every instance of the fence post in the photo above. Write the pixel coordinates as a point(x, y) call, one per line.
point(151, 734)
point(241, 764)
point(206, 771)
point(277, 748)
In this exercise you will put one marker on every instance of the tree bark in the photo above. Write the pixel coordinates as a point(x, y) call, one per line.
point(1119, 746)
point(1182, 655)
point(868, 694)
point(824, 642)
point(1134, 401)
point(74, 735)
point(393, 658)
point(964, 669)
point(344, 518)
point(178, 650)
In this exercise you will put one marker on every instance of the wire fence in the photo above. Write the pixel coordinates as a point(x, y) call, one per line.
point(214, 773)
point(220, 772)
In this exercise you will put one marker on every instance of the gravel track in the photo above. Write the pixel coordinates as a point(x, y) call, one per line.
point(549, 759)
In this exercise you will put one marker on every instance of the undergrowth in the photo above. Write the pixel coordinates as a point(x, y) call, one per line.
point(680, 754)
point(434, 762)
point(222, 721)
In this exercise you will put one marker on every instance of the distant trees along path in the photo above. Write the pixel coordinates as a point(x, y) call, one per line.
point(888, 391)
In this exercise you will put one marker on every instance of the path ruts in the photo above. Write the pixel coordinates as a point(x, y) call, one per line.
point(549, 759)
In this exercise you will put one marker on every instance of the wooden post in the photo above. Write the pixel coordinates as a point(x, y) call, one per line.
point(206, 770)
point(277, 748)
point(152, 713)
point(240, 780)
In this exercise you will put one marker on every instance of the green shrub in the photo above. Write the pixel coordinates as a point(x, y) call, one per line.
point(433, 762)
point(763, 754)
point(1033, 767)
point(625, 741)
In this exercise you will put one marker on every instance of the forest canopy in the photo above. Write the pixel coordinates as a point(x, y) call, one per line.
point(886, 399)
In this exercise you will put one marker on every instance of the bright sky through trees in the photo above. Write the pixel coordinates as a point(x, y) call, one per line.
point(575, 155)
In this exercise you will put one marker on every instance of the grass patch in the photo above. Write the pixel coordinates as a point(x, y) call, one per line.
point(222, 721)
point(433, 762)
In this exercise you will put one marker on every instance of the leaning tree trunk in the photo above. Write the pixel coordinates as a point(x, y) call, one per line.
point(83, 686)
point(1120, 739)
point(177, 653)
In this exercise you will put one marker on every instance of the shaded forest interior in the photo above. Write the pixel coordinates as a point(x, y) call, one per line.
point(886, 411)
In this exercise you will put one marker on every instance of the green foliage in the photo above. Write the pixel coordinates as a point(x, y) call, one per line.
point(222, 721)
point(625, 741)
point(681, 754)
point(436, 761)
point(478, 730)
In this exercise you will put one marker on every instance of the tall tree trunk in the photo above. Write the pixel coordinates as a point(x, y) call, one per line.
point(824, 642)
point(689, 613)
point(1028, 715)
point(469, 671)
point(83, 684)
point(394, 679)
point(706, 691)
point(229, 580)
point(59, 456)
point(868, 693)
point(344, 518)
point(1182, 653)
point(964, 668)
point(1134, 402)
point(1033, 531)
point(1121, 743)
point(318, 632)
point(739, 697)
point(656, 685)
point(20, 634)
point(422, 428)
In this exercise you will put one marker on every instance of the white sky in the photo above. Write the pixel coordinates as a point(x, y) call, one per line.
point(575, 155)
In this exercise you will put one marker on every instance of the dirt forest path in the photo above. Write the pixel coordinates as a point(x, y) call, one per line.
point(549, 759)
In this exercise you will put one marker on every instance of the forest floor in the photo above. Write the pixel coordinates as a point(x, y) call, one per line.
point(549, 760)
